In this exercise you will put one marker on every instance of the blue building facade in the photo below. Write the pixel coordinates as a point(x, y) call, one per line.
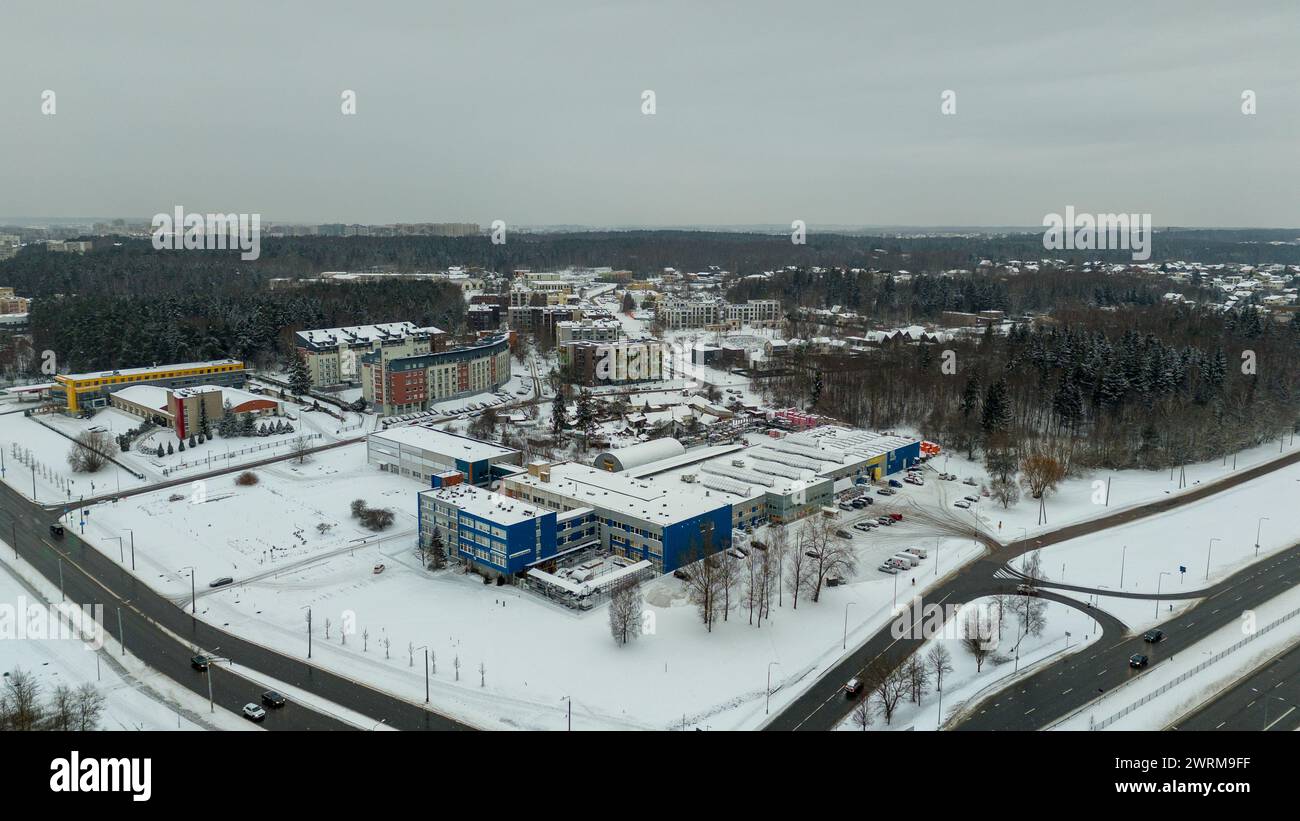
point(487, 529)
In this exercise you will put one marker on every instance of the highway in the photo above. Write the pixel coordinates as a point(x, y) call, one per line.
point(822, 706)
point(1070, 684)
point(163, 635)
point(1267, 699)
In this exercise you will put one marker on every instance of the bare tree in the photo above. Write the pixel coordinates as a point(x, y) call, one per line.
point(890, 687)
point(778, 547)
point(301, 448)
point(797, 577)
point(20, 706)
point(62, 713)
point(90, 706)
point(977, 635)
point(830, 555)
point(625, 608)
point(90, 451)
point(939, 660)
point(862, 712)
point(918, 677)
point(704, 579)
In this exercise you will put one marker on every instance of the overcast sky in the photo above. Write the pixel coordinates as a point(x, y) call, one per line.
point(530, 112)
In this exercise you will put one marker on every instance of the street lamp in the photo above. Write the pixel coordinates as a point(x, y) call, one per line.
point(307, 607)
point(1122, 557)
point(132, 532)
point(768, 709)
point(425, 648)
point(1160, 579)
point(121, 550)
point(207, 672)
point(1207, 556)
point(193, 596)
point(1262, 519)
point(569, 699)
point(847, 605)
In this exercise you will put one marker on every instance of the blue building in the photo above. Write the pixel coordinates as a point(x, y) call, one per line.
point(423, 452)
point(494, 532)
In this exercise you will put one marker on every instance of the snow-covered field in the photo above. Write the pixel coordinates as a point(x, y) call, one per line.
point(965, 684)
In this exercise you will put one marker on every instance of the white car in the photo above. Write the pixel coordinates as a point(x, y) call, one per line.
point(254, 712)
point(961, 503)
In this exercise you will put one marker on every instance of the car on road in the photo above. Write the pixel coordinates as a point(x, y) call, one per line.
point(221, 582)
point(273, 699)
point(1154, 636)
point(200, 662)
point(1137, 661)
point(56, 530)
point(254, 712)
point(852, 687)
point(1026, 590)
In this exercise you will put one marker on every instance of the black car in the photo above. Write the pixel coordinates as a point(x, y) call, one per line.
point(1154, 636)
point(1137, 660)
point(199, 662)
point(56, 530)
point(221, 582)
point(273, 699)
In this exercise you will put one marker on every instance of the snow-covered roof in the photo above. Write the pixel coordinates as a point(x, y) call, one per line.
point(442, 442)
point(485, 504)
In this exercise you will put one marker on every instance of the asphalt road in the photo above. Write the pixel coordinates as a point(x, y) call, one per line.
point(823, 705)
point(1071, 683)
point(149, 622)
point(1269, 699)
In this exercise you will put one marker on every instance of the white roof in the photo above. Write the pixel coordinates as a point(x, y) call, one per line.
point(645, 452)
point(442, 442)
point(485, 504)
point(150, 396)
point(364, 334)
point(651, 500)
point(153, 369)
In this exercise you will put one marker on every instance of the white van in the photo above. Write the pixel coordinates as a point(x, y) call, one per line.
point(912, 561)
point(901, 564)
point(919, 552)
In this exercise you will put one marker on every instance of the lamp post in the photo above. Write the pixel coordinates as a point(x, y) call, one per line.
point(207, 672)
point(1122, 557)
point(1207, 556)
point(569, 699)
point(768, 709)
point(307, 607)
point(132, 532)
point(193, 596)
point(845, 644)
point(121, 549)
point(425, 648)
point(1262, 519)
point(1160, 579)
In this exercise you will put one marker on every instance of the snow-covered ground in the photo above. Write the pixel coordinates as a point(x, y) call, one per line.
point(534, 653)
point(135, 696)
point(1186, 696)
point(1150, 552)
point(965, 684)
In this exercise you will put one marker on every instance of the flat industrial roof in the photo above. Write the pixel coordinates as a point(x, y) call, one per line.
point(485, 504)
point(187, 366)
point(652, 500)
point(442, 442)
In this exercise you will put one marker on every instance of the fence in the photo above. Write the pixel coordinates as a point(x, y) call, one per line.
point(1164, 688)
point(215, 457)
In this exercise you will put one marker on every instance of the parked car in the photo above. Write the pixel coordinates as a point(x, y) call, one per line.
point(888, 568)
point(897, 517)
point(971, 499)
point(868, 500)
point(221, 582)
point(844, 534)
point(273, 699)
point(962, 503)
point(682, 574)
point(919, 552)
point(852, 687)
point(379, 568)
point(1137, 661)
point(1154, 636)
point(834, 581)
point(845, 506)
point(895, 483)
point(969, 481)
point(254, 712)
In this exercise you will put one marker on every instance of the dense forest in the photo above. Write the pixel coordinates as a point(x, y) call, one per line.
point(90, 331)
point(1149, 386)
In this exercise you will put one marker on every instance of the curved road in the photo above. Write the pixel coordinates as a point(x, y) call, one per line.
point(823, 705)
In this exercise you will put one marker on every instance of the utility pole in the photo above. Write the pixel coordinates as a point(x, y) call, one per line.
point(1207, 556)
point(1262, 519)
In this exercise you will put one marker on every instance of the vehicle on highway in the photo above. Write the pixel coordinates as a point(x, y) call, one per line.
point(1153, 636)
point(852, 687)
point(273, 699)
point(1027, 590)
point(254, 712)
point(221, 582)
point(1137, 661)
point(56, 530)
point(200, 662)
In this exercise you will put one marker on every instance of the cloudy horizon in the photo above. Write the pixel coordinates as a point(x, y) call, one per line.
point(764, 113)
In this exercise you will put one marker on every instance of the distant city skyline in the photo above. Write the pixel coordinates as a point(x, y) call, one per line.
point(764, 113)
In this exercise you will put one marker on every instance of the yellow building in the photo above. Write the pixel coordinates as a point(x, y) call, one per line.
point(82, 390)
